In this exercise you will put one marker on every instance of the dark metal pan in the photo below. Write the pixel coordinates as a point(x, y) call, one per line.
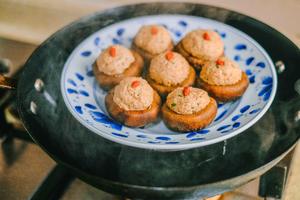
point(148, 174)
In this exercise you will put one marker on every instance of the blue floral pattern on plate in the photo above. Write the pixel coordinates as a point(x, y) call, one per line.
point(85, 99)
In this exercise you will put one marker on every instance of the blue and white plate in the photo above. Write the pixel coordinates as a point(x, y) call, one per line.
point(85, 99)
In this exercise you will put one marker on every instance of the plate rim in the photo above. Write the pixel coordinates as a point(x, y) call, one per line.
point(175, 147)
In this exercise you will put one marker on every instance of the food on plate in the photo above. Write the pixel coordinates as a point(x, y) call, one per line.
point(136, 102)
point(188, 109)
point(200, 46)
point(168, 71)
point(223, 79)
point(152, 40)
point(133, 102)
point(115, 63)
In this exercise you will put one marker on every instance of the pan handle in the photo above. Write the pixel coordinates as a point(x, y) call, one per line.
point(7, 83)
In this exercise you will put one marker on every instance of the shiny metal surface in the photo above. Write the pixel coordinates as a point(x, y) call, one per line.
point(33, 107)
point(280, 67)
point(297, 116)
point(39, 85)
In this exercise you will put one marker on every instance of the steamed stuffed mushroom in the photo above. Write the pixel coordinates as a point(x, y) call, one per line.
point(188, 109)
point(152, 40)
point(223, 79)
point(115, 63)
point(200, 46)
point(168, 71)
point(133, 102)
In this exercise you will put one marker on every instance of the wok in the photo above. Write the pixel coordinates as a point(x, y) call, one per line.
point(146, 173)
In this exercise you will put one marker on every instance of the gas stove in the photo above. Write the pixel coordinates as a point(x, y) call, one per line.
point(26, 172)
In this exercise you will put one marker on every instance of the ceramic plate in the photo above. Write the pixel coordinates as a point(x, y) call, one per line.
point(85, 99)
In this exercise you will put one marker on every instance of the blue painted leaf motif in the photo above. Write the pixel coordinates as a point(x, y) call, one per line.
point(223, 35)
point(141, 136)
point(237, 58)
point(223, 127)
point(177, 33)
point(197, 139)
point(191, 134)
point(120, 31)
point(116, 41)
point(240, 47)
point(72, 91)
point(264, 90)
point(203, 131)
point(86, 53)
point(254, 111)
point(244, 109)
point(225, 131)
point(116, 126)
point(252, 79)
point(90, 106)
point(152, 142)
point(221, 115)
point(267, 89)
point(119, 135)
point(171, 142)
point(249, 60)
point(78, 109)
point(182, 23)
point(236, 117)
point(102, 118)
point(267, 95)
point(165, 138)
point(90, 73)
point(261, 65)
point(79, 76)
point(72, 82)
point(220, 105)
point(248, 72)
point(97, 41)
point(236, 125)
point(84, 93)
point(98, 114)
point(267, 80)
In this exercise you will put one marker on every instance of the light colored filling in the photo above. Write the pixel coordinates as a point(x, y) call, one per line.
point(227, 74)
point(169, 72)
point(116, 64)
point(133, 98)
point(153, 43)
point(194, 102)
point(195, 44)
